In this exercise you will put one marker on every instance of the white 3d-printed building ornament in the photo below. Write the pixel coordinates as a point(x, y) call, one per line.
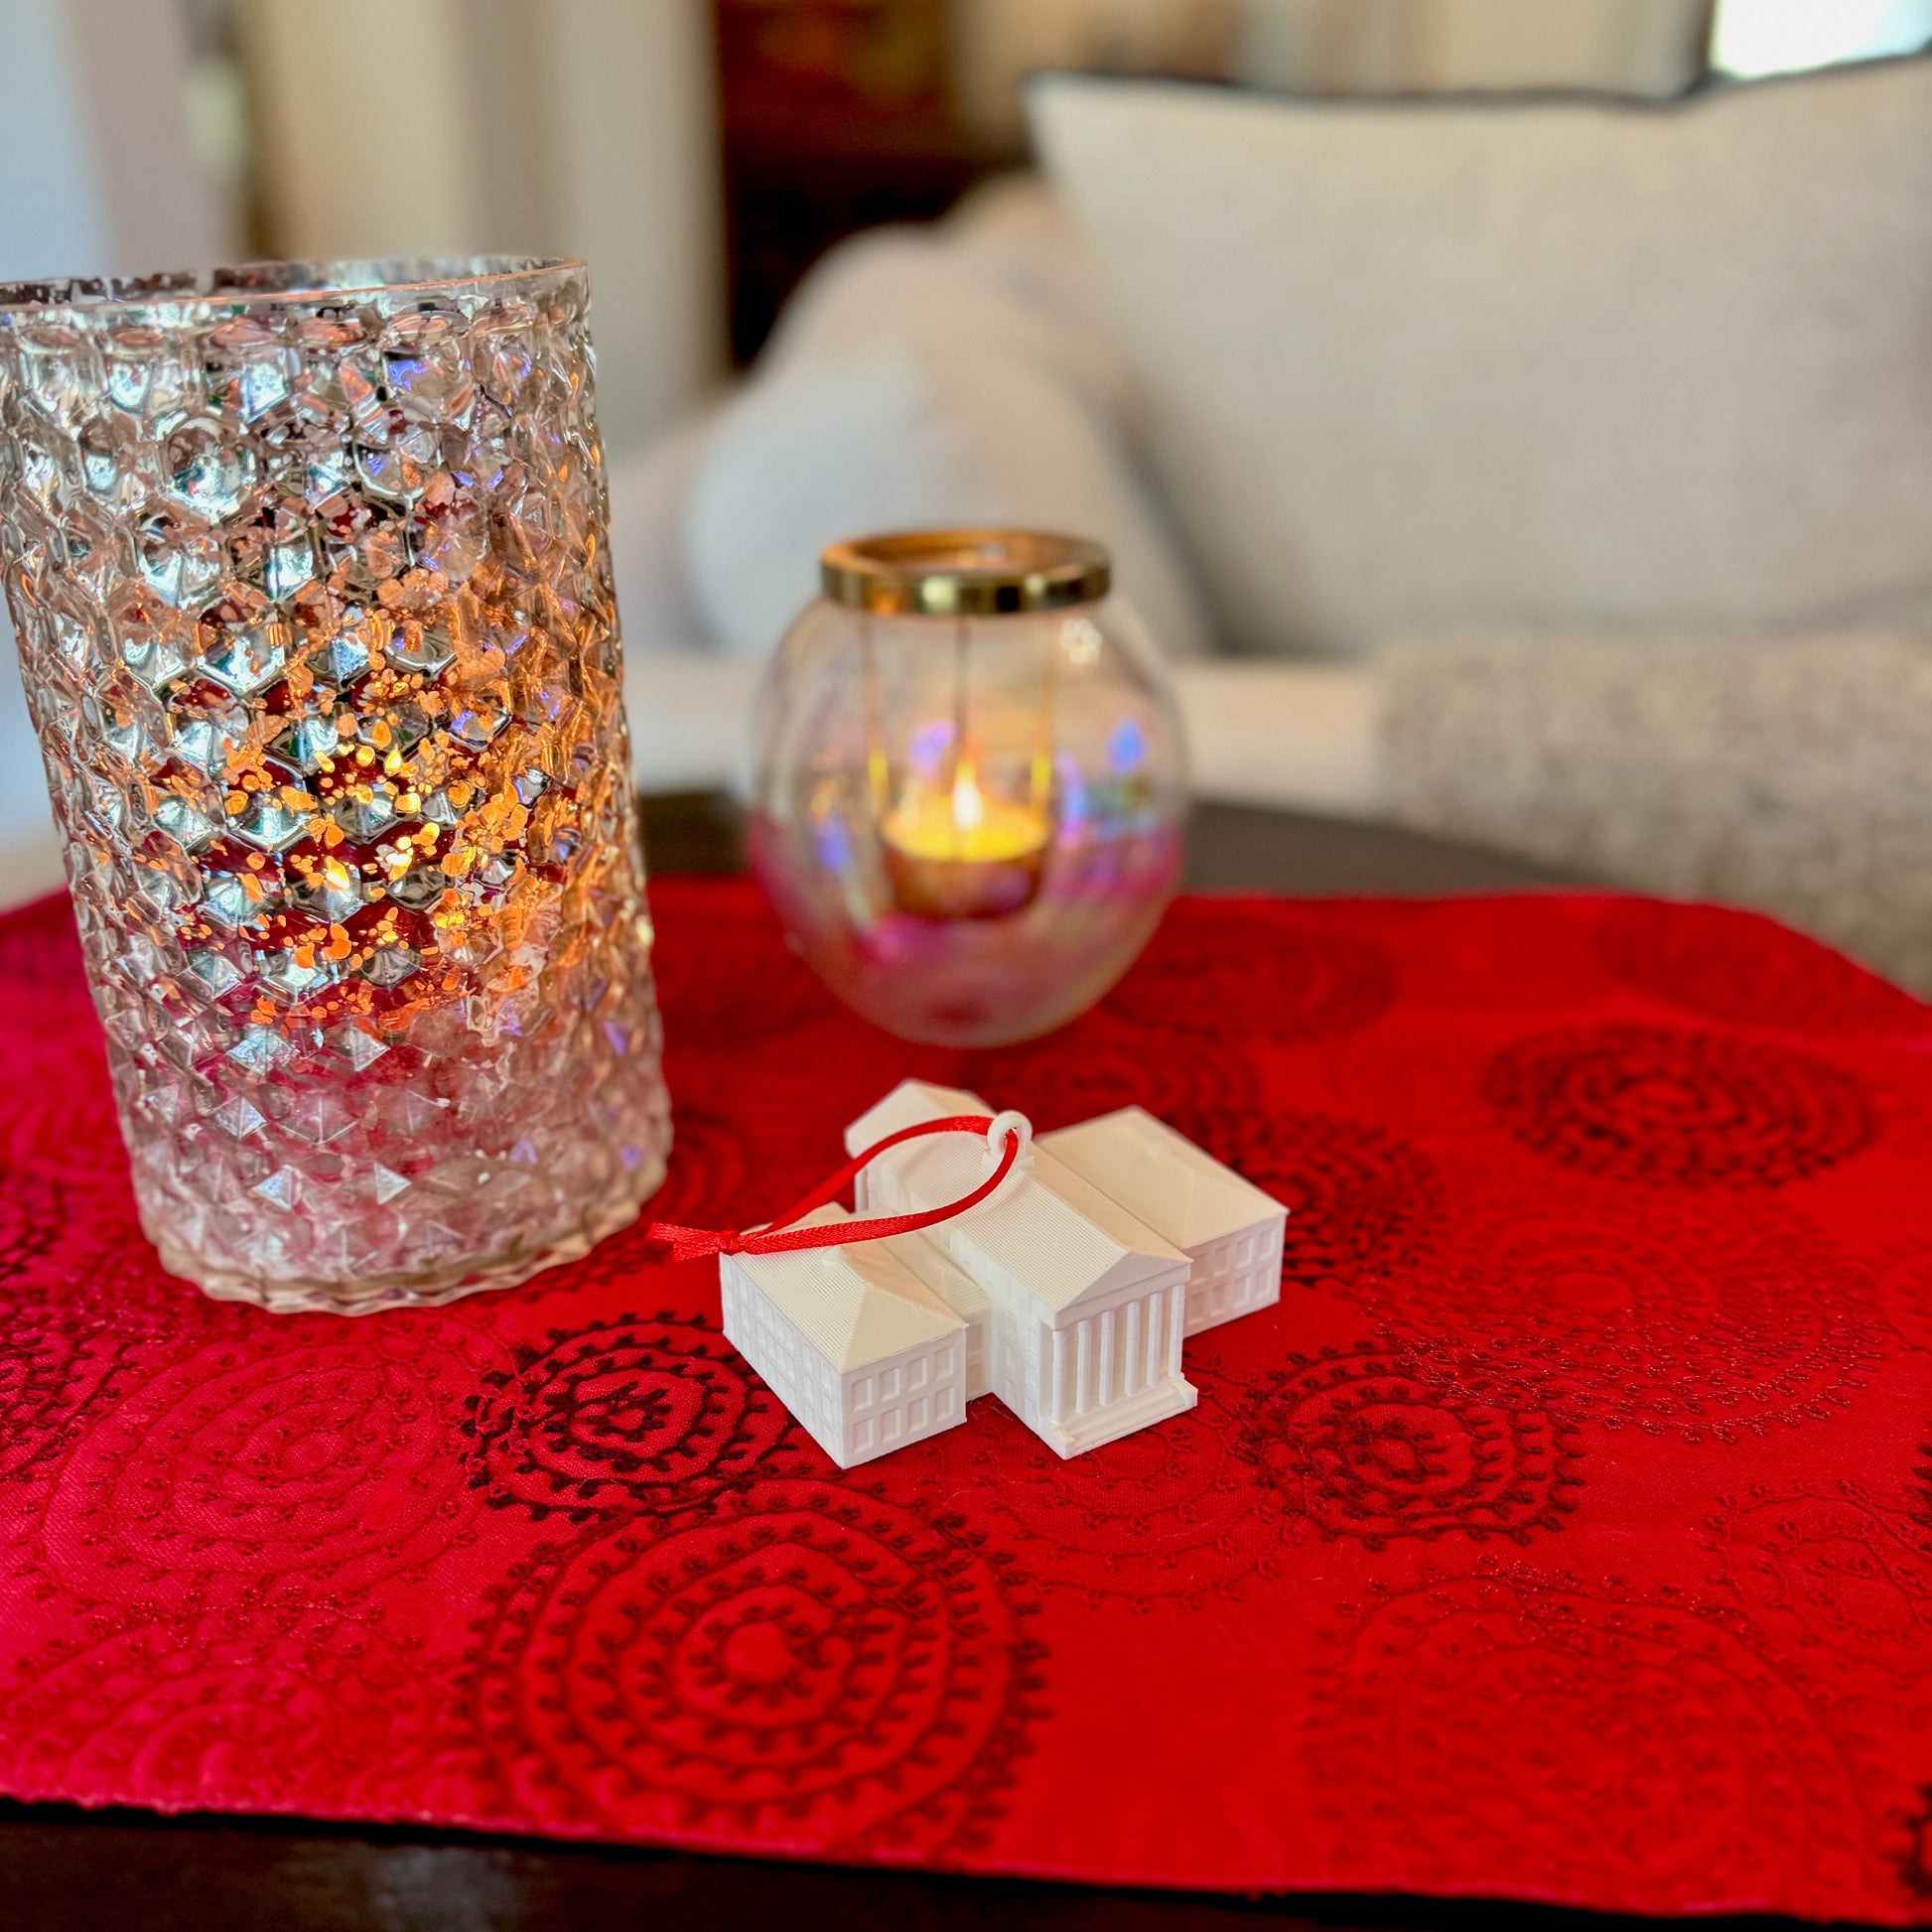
point(1060, 1275)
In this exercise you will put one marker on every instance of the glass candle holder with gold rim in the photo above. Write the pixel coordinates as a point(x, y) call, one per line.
point(308, 571)
point(970, 789)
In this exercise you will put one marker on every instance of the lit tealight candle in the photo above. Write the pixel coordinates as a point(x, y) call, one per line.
point(960, 855)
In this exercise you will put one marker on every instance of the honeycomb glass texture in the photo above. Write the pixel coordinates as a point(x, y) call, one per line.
point(308, 576)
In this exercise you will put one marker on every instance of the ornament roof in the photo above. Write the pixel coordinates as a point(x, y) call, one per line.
point(856, 1306)
point(1177, 1188)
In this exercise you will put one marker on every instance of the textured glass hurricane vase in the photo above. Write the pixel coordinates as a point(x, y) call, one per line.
point(308, 572)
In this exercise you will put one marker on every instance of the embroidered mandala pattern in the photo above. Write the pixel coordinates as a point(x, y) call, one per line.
point(1678, 1109)
point(739, 987)
point(1916, 1859)
point(68, 1133)
point(1452, 948)
point(1094, 1066)
point(1901, 1278)
point(1360, 1445)
point(1840, 1585)
point(1361, 1202)
point(39, 947)
point(1716, 1321)
point(620, 1415)
point(1750, 970)
point(768, 1122)
point(60, 1366)
point(1576, 1741)
point(32, 1217)
point(805, 1662)
point(1844, 1575)
point(710, 1181)
point(1168, 1513)
point(203, 1712)
point(1217, 974)
point(282, 1454)
point(536, 1564)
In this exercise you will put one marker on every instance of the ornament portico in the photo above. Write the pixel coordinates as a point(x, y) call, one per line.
point(1066, 1294)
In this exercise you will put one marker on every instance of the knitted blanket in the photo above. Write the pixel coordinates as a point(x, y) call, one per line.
point(1792, 775)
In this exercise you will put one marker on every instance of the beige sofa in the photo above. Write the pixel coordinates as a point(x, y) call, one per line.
point(1555, 471)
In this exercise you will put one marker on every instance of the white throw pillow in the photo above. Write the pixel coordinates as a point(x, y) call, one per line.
point(922, 381)
point(1540, 363)
point(1004, 272)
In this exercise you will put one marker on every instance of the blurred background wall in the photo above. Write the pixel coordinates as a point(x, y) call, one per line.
point(544, 127)
point(704, 152)
point(1650, 48)
point(102, 164)
point(837, 114)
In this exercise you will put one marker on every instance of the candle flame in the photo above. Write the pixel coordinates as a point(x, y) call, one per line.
point(968, 805)
point(965, 824)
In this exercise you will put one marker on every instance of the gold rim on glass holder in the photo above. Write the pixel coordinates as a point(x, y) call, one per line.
point(964, 573)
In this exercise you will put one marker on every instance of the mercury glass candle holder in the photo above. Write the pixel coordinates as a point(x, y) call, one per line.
point(308, 576)
point(970, 789)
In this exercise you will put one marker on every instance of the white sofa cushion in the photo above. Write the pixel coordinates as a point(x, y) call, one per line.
point(648, 490)
point(1305, 736)
point(1543, 362)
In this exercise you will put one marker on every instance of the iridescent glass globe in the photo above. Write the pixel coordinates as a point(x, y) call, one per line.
point(969, 790)
point(308, 571)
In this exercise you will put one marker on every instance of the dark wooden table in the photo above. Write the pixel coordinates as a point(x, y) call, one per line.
point(1229, 847)
point(63, 1869)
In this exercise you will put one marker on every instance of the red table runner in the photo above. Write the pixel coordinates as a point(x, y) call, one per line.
point(1565, 1533)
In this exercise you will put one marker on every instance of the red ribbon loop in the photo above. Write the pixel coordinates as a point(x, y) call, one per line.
point(781, 1237)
